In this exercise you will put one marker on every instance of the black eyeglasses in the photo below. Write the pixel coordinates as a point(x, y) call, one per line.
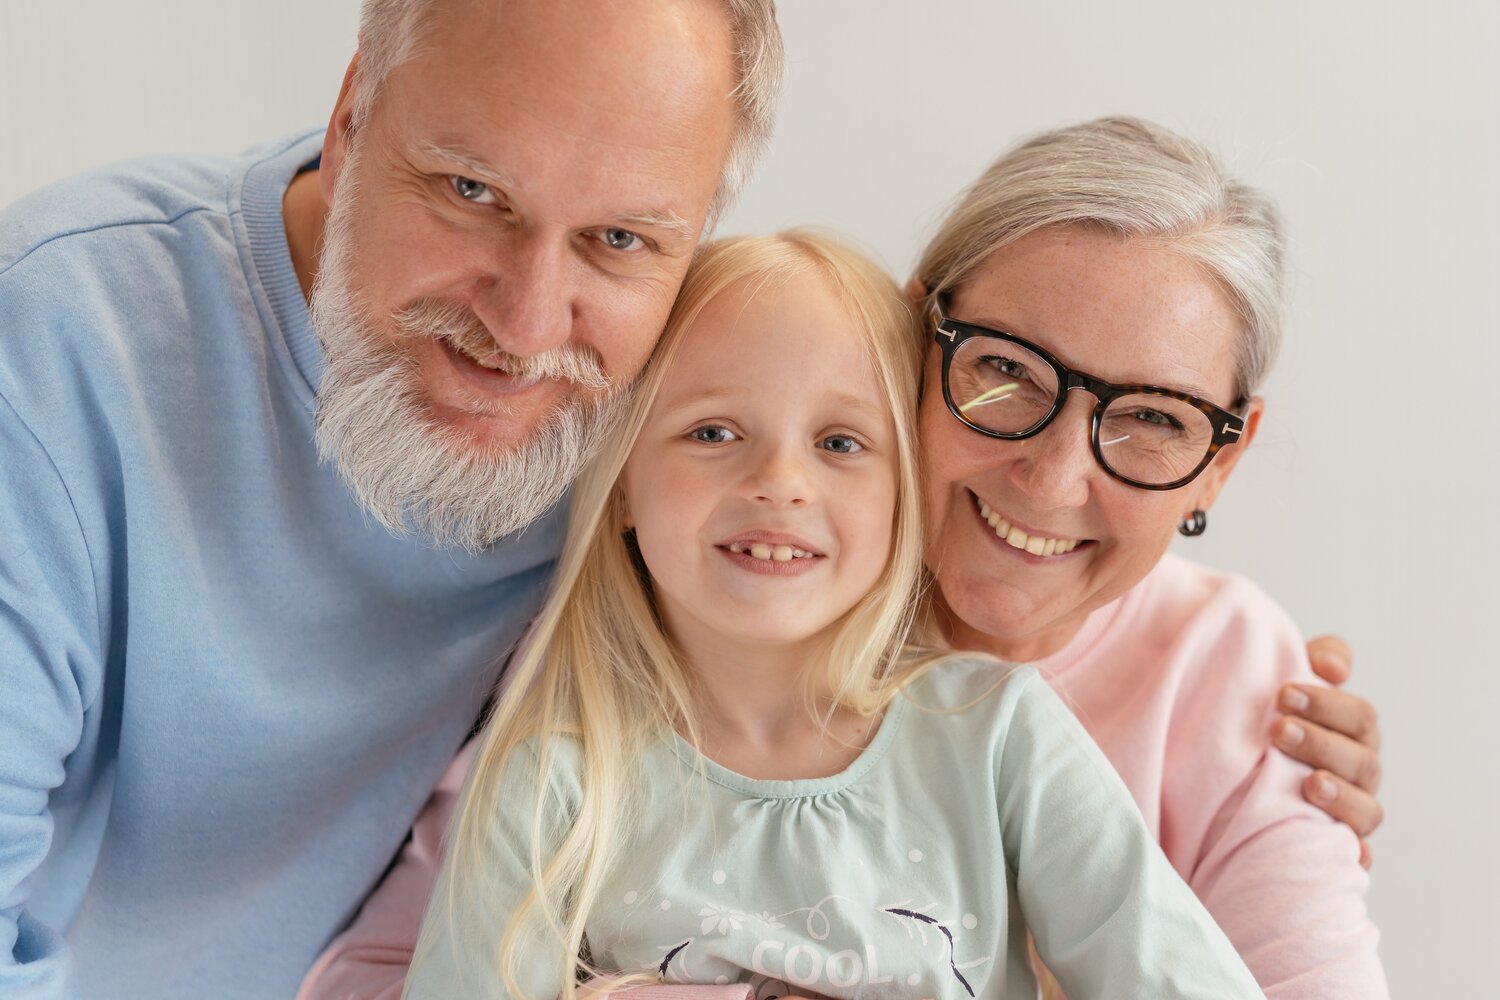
point(1144, 435)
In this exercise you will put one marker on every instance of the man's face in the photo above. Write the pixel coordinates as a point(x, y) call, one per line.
point(530, 185)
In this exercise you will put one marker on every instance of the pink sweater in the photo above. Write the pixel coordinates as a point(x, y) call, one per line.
point(1177, 681)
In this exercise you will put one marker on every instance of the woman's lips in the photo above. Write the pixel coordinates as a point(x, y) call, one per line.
point(1017, 538)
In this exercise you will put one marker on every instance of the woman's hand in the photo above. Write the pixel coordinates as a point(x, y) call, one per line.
point(1338, 734)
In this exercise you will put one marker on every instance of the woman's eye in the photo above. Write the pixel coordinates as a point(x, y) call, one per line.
point(621, 239)
point(1008, 367)
point(1158, 419)
point(471, 190)
point(841, 444)
point(712, 434)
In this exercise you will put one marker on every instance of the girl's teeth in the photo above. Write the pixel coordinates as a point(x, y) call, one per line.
point(771, 553)
point(1035, 544)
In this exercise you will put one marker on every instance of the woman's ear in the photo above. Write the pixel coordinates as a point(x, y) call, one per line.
point(1209, 484)
point(916, 291)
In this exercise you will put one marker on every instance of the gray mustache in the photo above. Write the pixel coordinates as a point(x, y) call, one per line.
point(429, 318)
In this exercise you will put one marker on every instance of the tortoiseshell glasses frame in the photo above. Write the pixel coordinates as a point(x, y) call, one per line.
point(950, 334)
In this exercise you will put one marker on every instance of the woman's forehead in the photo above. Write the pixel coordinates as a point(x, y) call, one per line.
point(1126, 310)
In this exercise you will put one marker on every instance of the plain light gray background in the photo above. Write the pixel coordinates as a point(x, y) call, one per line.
point(1370, 504)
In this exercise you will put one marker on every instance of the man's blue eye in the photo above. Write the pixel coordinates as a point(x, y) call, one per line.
point(712, 434)
point(621, 239)
point(468, 188)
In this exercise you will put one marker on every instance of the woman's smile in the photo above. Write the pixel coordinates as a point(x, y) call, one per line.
point(1024, 541)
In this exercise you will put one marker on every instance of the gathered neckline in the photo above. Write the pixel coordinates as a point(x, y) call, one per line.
point(795, 788)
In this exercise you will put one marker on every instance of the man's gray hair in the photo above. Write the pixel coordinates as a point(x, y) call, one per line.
point(389, 31)
point(1139, 180)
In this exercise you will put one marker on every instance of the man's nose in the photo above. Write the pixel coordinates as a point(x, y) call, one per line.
point(526, 302)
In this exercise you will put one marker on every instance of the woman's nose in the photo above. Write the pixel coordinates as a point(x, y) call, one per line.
point(1056, 465)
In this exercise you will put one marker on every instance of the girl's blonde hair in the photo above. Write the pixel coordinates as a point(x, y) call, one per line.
point(1136, 179)
point(597, 671)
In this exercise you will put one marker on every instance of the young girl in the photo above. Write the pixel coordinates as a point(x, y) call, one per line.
point(723, 755)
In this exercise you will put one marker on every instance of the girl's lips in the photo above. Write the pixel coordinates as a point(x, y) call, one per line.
point(771, 567)
point(757, 536)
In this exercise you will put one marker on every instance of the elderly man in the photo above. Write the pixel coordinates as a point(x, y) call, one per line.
point(277, 477)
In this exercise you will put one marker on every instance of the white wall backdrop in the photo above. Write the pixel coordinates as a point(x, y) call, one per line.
point(1371, 503)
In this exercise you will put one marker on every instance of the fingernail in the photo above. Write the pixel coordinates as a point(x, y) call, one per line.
point(1324, 790)
point(1294, 699)
point(1291, 735)
point(1334, 660)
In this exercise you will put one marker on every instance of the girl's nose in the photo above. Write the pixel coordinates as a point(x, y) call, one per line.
point(780, 478)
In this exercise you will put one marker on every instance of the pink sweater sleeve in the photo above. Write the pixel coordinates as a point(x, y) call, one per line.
point(1280, 876)
point(369, 960)
point(1177, 683)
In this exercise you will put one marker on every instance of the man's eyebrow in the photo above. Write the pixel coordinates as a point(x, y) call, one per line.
point(468, 159)
point(476, 168)
point(669, 221)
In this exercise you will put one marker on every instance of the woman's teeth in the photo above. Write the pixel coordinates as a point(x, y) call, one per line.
point(1015, 537)
point(774, 553)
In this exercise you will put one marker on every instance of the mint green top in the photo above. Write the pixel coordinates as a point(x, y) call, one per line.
point(979, 811)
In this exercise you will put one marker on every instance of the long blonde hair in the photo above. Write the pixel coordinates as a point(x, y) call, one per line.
point(599, 673)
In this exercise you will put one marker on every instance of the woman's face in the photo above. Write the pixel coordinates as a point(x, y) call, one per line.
point(1127, 311)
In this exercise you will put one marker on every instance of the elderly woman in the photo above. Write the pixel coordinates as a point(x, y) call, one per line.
point(1103, 304)
point(1101, 307)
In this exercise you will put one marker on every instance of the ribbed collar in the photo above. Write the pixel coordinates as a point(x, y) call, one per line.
point(256, 194)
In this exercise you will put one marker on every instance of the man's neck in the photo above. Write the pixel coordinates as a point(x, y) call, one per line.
point(305, 212)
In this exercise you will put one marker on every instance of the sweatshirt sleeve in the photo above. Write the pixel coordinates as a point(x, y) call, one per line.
point(1109, 915)
point(50, 668)
point(1280, 876)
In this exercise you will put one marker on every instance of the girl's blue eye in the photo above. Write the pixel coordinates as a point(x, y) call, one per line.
point(712, 434)
point(841, 444)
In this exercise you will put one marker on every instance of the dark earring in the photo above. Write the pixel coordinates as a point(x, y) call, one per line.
point(1193, 526)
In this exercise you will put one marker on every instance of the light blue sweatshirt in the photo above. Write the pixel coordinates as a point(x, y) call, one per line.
point(225, 691)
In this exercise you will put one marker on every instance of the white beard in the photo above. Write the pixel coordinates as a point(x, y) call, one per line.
point(412, 474)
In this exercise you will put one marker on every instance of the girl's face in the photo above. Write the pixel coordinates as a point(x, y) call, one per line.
point(1127, 312)
point(762, 487)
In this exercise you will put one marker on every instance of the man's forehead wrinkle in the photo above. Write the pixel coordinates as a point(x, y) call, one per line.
point(456, 152)
point(481, 169)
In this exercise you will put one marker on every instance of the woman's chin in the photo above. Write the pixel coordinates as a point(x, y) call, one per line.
point(1003, 620)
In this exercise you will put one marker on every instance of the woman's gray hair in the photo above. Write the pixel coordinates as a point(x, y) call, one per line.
point(1140, 180)
point(389, 31)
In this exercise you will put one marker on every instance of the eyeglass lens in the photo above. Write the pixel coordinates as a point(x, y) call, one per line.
point(1003, 387)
